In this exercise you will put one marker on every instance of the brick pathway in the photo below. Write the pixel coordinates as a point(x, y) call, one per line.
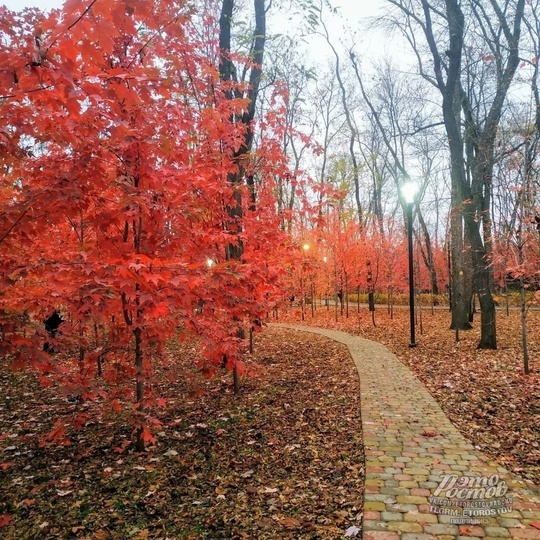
point(409, 443)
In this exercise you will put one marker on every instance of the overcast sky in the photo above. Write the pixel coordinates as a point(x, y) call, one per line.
point(19, 4)
point(354, 16)
point(353, 10)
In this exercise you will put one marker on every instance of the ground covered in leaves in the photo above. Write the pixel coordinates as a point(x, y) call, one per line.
point(484, 393)
point(281, 460)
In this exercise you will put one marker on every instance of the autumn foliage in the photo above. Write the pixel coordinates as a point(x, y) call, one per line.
point(117, 137)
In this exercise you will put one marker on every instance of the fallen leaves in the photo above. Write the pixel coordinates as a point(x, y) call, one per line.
point(282, 459)
point(352, 531)
point(63, 493)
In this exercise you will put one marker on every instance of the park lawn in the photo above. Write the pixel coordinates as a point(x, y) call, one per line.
point(282, 459)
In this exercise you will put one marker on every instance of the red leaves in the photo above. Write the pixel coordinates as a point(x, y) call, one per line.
point(161, 402)
point(124, 198)
point(57, 435)
point(147, 436)
point(123, 446)
point(5, 520)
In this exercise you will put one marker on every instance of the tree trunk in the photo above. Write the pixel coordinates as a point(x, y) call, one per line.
point(227, 72)
point(428, 256)
point(460, 299)
point(139, 387)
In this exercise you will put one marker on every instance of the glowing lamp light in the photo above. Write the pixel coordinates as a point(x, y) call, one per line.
point(409, 190)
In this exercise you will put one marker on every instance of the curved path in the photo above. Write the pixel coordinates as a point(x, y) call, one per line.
point(423, 479)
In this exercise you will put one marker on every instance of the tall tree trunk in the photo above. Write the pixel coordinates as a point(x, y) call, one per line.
point(429, 260)
point(137, 332)
point(227, 72)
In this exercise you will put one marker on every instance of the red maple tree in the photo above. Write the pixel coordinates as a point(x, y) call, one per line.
point(117, 139)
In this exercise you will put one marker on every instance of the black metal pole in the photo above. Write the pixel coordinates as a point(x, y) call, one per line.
point(411, 271)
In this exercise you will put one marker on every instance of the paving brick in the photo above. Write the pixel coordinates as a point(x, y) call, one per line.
point(385, 476)
point(472, 530)
point(372, 505)
point(530, 514)
point(392, 470)
point(421, 518)
point(409, 484)
point(391, 516)
point(417, 537)
point(513, 514)
point(441, 529)
point(403, 527)
point(421, 492)
point(379, 535)
point(521, 505)
point(497, 532)
point(416, 472)
point(428, 485)
point(409, 499)
point(376, 497)
point(374, 482)
point(525, 533)
point(369, 525)
point(402, 508)
point(391, 483)
point(374, 469)
point(395, 491)
point(508, 522)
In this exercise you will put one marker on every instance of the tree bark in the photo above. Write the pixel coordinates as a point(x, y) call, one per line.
point(471, 198)
point(238, 178)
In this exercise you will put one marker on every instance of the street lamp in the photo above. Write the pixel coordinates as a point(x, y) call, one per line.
point(408, 190)
point(327, 284)
point(305, 247)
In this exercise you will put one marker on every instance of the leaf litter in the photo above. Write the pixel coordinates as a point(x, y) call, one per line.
point(283, 459)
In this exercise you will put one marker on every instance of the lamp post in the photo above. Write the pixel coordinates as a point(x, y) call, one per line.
point(408, 190)
point(326, 285)
point(305, 248)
